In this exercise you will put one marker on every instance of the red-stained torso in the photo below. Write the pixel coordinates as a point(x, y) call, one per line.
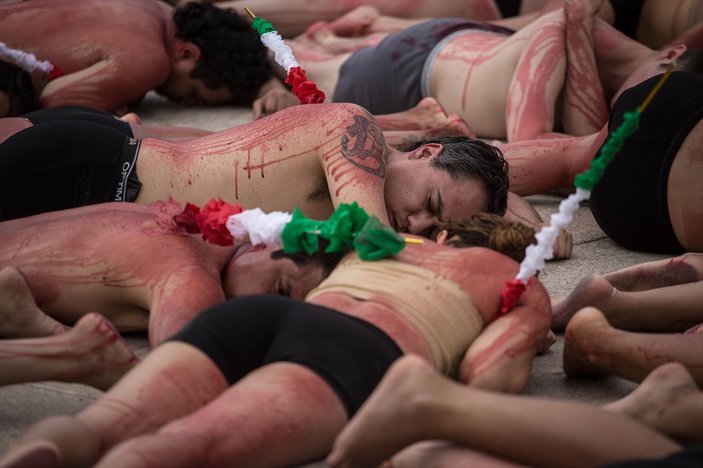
point(311, 157)
point(115, 259)
point(478, 272)
point(112, 52)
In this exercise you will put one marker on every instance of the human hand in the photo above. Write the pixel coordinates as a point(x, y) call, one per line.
point(563, 245)
point(272, 101)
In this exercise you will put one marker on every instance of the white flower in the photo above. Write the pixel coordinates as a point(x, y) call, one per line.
point(258, 227)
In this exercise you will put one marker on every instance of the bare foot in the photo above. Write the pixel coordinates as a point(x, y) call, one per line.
point(593, 290)
point(388, 421)
point(19, 315)
point(658, 274)
point(35, 454)
point(108, 356)
point(583, 354)
point(427, 114)
point(667, 400)
point(355, 23)
point(54, 442)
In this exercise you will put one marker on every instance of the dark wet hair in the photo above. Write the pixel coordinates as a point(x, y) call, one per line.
point(18, 85)
point(231, 52)
point(328, 261)
point(467, 158)
point(493, 232)
point(691, 61)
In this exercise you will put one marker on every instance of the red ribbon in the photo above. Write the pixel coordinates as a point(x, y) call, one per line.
point(55, 72)
point(512, 292)
point(306, 90)
point(211, 221)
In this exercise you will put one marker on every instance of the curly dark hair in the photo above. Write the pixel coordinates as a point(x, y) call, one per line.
point(467, 158)
point(231, 52)
point(18, 85)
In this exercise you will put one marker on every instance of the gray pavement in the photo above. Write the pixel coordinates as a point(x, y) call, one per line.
point(22, 405)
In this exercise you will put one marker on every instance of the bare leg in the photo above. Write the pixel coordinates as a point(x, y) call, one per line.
point(667, 400)
point(686, 268)
point(172, 381)
point(282, 414)
point(452, 126)
point(92, 353)
point(596, 290)
point(584, 108)
point(428, 113)
point(19, 315)
point(414, 403)
point(592, 348)
point(666, 309)
point(541, 165)
point(441, 454)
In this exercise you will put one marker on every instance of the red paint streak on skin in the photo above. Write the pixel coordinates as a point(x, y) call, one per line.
point(473, 53)
point(249, 166)
point(236, 179)
point(344, 172)
point(341, 186)
point(527, 103)
point(486, 358)
point(336, 165)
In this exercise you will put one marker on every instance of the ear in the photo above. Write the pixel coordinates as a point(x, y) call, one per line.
point(669, 54)
point(428, 150)
point(442, 237)
point(187, 51)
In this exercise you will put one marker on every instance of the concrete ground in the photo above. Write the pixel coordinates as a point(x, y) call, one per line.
point(22, 405)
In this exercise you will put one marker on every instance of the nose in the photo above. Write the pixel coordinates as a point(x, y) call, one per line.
point(420, 223)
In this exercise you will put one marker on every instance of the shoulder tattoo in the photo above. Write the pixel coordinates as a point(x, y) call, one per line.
point(363, 145)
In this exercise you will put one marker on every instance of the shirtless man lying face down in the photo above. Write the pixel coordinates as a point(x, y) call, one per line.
point(113, 53)
point(312, 157)
point(134, 265)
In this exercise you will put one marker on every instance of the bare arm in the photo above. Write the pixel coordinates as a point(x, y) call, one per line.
point(500, 358)
point(179, 299)
point(357, 170)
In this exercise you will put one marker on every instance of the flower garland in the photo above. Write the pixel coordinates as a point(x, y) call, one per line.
point(305, 89)
point(222, 223)
point(29, 62)
point(536, 255)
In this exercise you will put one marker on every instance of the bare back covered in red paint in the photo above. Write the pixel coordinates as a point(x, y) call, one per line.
point(112, 52)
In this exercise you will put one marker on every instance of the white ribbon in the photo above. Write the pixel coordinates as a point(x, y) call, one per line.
point(25, 60)
point(282, 54)
point(258, 227)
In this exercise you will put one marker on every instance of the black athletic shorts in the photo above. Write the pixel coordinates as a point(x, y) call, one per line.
point(61, 164)
point(81, 113)
point(243, 334)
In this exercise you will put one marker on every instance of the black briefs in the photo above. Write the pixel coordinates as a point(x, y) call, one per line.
point(243, 334)
point(63, 164)
point(387, 78)
point(84, 114)
point(630, 201)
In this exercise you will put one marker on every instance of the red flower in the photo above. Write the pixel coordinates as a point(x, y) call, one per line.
point(187, 218)
point(303, 88)
point(212, 220)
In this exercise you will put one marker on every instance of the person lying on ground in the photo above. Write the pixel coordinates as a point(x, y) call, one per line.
point(466, 426)
point(291, 373)
point(113, 53)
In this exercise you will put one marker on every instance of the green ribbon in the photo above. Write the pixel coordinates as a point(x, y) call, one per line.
point(262, 26)
point(590, 178)
point(348, 226)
